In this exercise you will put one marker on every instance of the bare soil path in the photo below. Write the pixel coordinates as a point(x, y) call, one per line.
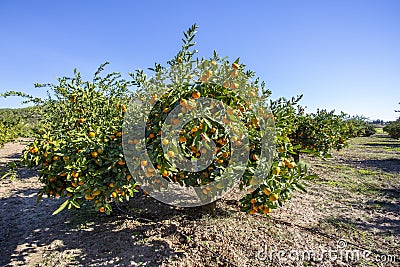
point(353, 207)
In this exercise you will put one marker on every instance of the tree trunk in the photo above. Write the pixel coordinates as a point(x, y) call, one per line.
point(296, 157)
point(210, 208)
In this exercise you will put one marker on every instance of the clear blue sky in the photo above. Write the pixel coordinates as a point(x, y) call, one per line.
point(342, 55)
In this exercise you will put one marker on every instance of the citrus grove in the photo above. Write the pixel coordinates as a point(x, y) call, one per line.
point(79, 154)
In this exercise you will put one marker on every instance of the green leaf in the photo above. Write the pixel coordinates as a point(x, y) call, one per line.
point(63, 205)
point(301, 187)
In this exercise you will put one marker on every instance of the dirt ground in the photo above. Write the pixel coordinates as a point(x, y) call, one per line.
point(349, 217)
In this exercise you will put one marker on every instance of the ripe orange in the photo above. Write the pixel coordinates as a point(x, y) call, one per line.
point(183, 102)
point(182, 139)
point(234, 85)
point(111, 185)
point(273, 197)
point(75, 174)
point(33, 150)
point(96, 193)
point(128, 177)
point(276, 171)
point(102, 209)
point(88, 197)
point(196, 94)
point(92, 134)
point(171, 154)
point(81, 183)
point(252, 201)
point(52, 179)
point(235, 65)
point(55, 157)
point(267, 191)
point(165, 141)
point(81, 120)
point(112, 137)
point(144, 163)
point(253, 211)
point(151, 135)
point(121, 162)
point(234, 73)
point(292, 165)
point(227, 84)
point(267, 210)
point(94, 154)
point(165, 173)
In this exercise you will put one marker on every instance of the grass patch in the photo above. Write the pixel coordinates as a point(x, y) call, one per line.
point(367, 172)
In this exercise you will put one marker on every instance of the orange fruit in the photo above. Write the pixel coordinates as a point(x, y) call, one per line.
point(88, 197)
point(182, 139)
point(171, 154)
point(75, 174)
point(92, 134)
point(183, 102)
point(119, 134)
point(165, 141)
point(81, 120)
point(235, 65)
point(96, 193)
point(55, 157)
point(100, 151)
point(144, 163)
point(234, 85)
point(94, 154)
point(273, 197)
point(151, 135)
point(227, 84)
point(196, 94)
point(128, 177)
point(52, 179)
point(81, 183)
point(276, 171)
point(267, 210)
point(112, 137)
point(234, 73)
point(121, 162)
point(253, 211)
point(111, 185)
point(267, 191)
point(102, 209)
point(33, 150)
point(292, 165)
point(114, 194)
point(252, 201)
point(165, 173)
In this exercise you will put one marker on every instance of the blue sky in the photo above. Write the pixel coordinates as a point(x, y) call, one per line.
point(342, 55)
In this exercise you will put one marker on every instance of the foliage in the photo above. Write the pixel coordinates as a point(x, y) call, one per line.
point(358, 126)
point(17, 123)
point(393, 128)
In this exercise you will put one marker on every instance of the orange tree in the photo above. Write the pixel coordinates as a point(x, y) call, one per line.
point(358, 126)
point(80, 154)
point(318, 133)
point(78, 148)
point(393, 128)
